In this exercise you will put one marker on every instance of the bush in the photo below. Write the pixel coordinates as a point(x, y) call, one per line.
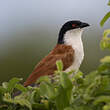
point(62, 92)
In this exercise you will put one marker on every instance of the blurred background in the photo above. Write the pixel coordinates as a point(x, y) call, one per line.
point(29, 30)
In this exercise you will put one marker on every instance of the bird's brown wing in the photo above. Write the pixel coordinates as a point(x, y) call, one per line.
point(47, 66)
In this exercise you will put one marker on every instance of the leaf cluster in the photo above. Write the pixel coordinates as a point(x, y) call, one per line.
point(61, 91)
point(105, 42)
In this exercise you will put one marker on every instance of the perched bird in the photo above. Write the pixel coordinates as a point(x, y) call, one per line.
point(69, 49)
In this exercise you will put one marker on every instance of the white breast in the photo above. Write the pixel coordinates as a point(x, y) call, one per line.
point(73, 38)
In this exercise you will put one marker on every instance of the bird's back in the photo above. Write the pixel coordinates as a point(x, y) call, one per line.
point(47, 66)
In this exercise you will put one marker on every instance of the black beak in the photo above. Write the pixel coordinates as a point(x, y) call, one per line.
point(84, 25)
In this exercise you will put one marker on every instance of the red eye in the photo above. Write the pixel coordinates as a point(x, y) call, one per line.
point(73, 25)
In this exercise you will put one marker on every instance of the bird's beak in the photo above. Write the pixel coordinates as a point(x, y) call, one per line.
point(84, 25)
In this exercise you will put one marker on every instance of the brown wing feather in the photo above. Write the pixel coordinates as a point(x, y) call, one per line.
point(47, 66)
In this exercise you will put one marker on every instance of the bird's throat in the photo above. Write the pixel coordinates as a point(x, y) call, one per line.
point(73, 37)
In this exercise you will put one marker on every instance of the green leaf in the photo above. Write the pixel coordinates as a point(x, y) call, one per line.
point(59, 65)
point(105, 19)
point(106, 59)
point(64, 93)
point(105, 42)
point(65, 81)
point(43, 79)
point(21, 88)
point(106, 33)
point(47, 90)
point(2, 90)
point(101, 99)
point(12, 83)
point(35, 96)
point(106, 107)
point(104, 67)
point(70, 72)
point(78, 77)
point(5, 85)
point(63, 98)
point(79, 74)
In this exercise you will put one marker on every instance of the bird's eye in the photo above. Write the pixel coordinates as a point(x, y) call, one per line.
point(73, 25)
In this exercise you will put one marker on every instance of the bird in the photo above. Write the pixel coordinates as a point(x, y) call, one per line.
point(69, 49)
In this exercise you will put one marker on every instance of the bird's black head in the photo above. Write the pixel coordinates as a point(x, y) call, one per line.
point(70, 25)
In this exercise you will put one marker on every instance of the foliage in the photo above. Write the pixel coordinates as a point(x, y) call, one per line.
point(61, 92)
point(105, 42)
point(105, 18)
